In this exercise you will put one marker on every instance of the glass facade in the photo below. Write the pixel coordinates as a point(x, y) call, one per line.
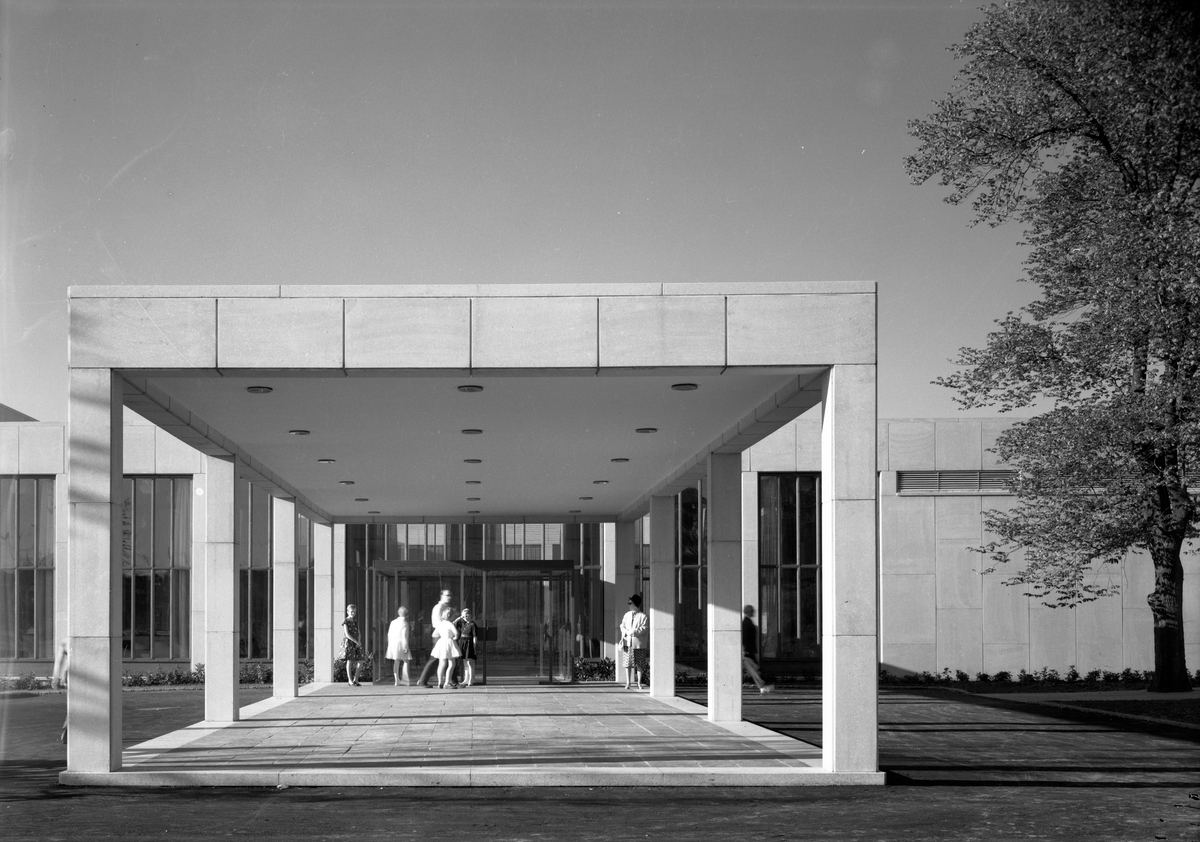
point(26, 567)
point(157, 559)
point(691, 577)
point(255, 580)
point(304, 587)
point(789, 554)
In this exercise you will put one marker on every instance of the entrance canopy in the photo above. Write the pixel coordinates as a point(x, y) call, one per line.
point(484, 404)
point(379, 380)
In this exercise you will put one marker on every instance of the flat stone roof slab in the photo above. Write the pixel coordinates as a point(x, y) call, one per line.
point(381, 735)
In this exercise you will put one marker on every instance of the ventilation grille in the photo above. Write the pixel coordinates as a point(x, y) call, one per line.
point(933, 481)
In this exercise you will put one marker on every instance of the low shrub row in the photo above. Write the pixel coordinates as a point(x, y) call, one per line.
point(250, 672)
point(1045, 677)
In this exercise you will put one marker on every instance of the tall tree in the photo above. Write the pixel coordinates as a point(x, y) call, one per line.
point(1080, 121)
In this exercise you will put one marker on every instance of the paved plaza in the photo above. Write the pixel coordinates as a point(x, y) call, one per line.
point(518, 735)
point(958, 767)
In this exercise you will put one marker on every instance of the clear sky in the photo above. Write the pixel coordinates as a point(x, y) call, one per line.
point(487, 142)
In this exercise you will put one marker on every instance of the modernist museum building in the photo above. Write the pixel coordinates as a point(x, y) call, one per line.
point(240, 463)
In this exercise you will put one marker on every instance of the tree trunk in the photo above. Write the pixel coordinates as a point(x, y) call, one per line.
point(1166, 604)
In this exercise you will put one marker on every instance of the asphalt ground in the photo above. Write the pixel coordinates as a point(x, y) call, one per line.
point(959, 767)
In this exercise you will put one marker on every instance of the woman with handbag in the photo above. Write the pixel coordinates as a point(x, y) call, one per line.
point(634, 642)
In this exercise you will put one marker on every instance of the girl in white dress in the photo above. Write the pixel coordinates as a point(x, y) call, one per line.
point(397, 646)
point(445, 650)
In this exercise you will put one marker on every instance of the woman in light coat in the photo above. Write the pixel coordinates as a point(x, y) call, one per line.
point(635, 642)
point(397, 646)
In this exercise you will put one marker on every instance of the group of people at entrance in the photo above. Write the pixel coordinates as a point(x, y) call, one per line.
point(454, 647)
point(455, 642)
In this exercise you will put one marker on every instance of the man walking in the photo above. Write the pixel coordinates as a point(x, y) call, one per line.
point(750, 650)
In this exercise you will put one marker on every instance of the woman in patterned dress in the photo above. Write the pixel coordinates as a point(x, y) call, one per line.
point(634, 642)
point(352, 651)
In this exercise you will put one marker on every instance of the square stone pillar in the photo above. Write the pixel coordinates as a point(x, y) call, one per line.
point(849, 571)
point(322, 603)
point(95, 497)
point(662, 596)
point(225, 510)
point(338, 608)
point(199, 584)
point(284, 635)
point(724, 587)
point(608, 579)
point(628, 553)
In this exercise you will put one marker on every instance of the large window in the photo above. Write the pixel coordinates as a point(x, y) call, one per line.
point(304, 587)
point(255, 579)
point(157, 550)
point(691, 585)
point(789, 553)
point(26, 567)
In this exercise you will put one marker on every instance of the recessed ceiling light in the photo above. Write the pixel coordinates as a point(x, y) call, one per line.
point(361, 499)
point(473, 512)
point(345, 482)
point(298, 432)
point(585, 498)
point(619, 459)
point(472, 432)
point(259, 390)
point(474, 482)
point(647, 429)
point(470, 387)
point(373, 512)
point(326, 461)
point(685, 387)
point(474, 499)
point(473, 461)
point(599, 482)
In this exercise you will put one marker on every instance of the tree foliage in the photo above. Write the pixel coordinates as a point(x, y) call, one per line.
point(1080, 121)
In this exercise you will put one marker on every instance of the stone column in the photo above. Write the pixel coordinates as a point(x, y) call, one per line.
point(199, 584)
point(628, 552)
point(724, 587)
point(224, 511)
point(662, 600)
point(849, 571)
point(284, 580)
point(95, 497)
point(608, 576)
point(338, 608)
point(322, 603)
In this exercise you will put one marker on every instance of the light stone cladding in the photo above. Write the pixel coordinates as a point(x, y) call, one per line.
point(937, 609)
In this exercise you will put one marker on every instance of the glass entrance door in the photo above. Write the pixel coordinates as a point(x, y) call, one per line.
point(524, 617)
point(529, 620)
point(418, 591)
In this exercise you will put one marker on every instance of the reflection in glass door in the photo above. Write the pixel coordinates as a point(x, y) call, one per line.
point(529, 621)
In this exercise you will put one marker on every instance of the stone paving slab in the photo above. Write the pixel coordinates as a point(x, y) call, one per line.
point(336, 735)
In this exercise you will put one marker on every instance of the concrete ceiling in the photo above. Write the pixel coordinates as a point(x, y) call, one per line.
point(547, 441)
